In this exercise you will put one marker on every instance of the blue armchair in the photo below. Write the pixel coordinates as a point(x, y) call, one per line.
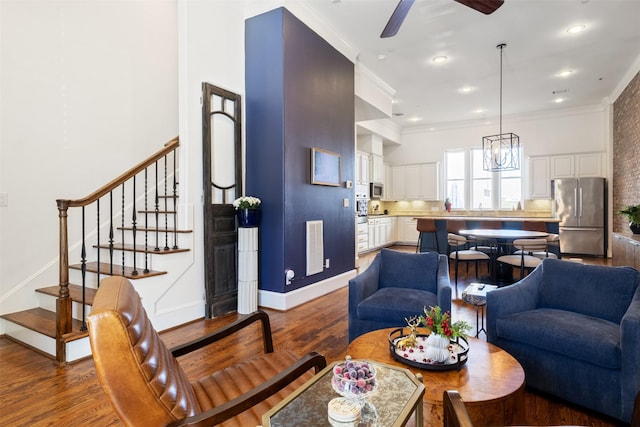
point(575, 329)
point(397, 285)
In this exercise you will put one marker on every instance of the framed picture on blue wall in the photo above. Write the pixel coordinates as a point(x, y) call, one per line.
point(326, 167)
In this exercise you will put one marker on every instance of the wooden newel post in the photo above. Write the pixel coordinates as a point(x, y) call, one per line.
point(63, 303)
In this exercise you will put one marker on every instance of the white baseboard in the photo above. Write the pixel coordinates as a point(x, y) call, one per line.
point(287, 300)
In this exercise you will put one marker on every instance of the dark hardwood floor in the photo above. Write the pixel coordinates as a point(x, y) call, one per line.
point(36, 392)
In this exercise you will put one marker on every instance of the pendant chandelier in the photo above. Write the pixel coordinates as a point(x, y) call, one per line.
point(501, 152)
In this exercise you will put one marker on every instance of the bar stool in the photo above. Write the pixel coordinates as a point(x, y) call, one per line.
point(524, 258)
point(553, 240)
point(458, 252)
point(427, 226)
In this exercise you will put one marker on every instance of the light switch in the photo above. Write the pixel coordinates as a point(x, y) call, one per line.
point(345, 203)
point(4, 199)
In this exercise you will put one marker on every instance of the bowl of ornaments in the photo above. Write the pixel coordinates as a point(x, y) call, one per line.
point(354, 379)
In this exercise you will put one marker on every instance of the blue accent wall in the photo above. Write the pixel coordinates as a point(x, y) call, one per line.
point(299, 95)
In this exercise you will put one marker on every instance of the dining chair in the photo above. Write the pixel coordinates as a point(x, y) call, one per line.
point(552, 239)
point(459, 251)
point(524, 258)
point(427, 227)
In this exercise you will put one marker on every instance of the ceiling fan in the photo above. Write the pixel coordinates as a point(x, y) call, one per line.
point(402, 9)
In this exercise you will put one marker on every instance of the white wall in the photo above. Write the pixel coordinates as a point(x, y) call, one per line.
point(567, 131)
point(87, 90)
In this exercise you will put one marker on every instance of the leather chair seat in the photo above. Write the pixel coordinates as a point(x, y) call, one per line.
point(220, 387)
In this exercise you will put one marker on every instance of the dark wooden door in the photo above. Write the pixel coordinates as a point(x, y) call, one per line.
point(222, 180)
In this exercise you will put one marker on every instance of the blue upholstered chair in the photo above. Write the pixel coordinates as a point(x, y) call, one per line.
point(397, 285)
point(575, 329)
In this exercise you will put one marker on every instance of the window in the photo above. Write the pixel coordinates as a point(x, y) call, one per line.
point(510, 189)
point(494, 189)
point(481, 183)
point(455, 172)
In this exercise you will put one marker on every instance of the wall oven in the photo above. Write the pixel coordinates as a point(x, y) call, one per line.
point(376, 190)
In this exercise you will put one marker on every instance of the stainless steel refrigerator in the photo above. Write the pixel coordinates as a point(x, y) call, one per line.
point(580, 205)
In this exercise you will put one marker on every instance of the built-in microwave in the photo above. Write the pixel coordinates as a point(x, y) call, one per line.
point(375, 190)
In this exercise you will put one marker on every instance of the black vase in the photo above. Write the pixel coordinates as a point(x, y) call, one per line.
point(635, 228)
point(248, 218)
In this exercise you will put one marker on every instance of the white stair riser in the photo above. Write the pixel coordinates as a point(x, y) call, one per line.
point(34, 339)
point(48, 302)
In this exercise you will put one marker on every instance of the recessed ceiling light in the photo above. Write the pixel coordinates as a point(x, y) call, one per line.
point(576, 29)
point(466, 89)
point(558, 100)
point(480, 110)
point(381, 57)
point(415, 119)
point(565, 73)
point(440, 59)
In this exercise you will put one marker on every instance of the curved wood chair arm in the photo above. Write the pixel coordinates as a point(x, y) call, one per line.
point(230, 329)
point(245, 401)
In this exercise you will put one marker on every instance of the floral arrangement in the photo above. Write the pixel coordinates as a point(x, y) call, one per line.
point(439, 322)
point(247, 202)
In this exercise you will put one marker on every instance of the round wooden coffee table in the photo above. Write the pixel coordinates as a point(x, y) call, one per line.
point(491, 383)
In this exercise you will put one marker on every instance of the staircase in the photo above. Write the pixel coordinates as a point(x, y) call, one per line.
point(137, 223)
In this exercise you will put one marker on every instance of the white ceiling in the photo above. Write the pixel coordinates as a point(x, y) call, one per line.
point(538, 48)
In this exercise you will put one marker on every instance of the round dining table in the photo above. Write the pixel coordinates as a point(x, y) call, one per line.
point(502, 238)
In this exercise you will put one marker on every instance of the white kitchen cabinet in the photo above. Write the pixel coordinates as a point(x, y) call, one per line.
point(362, 168)
point(397, 183)
point(362, 236)
point(376, 168)
point(539, 177)
point(407, 230)
point(429, 181)
point(387, 183)
point(589, 165)
point(415, 182)
point(412, 182)
point(562, 166)
point(577, 165)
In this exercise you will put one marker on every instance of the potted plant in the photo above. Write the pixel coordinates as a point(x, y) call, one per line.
point(633, 213)
point(248, 211)
point(447, 204)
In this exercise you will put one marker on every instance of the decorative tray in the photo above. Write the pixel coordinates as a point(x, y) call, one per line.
point(415, 357)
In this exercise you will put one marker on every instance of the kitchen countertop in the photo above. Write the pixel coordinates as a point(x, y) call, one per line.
point(468, 218)
point(490, 218)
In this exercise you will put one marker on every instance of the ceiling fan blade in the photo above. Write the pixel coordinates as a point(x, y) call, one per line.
point(485, 6)
point(392, 27)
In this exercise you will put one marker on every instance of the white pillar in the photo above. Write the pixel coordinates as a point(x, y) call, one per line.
point(247, 270)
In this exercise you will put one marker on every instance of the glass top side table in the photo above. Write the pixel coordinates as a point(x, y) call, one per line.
point(399, 394)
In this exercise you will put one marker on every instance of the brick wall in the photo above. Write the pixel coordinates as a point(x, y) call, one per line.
point(626, 152)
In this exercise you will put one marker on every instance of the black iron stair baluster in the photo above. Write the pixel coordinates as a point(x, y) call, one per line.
point(122, 229)
point(157, 209)
point(175, 204)
point(146, 221)
point(134, 227)
point(97, 245)
point(83, 272)
point(110, 233)
point(166, 209)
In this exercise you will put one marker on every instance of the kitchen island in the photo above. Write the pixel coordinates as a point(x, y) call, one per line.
point(548, 225)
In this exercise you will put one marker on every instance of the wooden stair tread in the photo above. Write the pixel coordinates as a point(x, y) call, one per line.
point(140, 248)
point(75, 292)
point(117, 270)
point(160, 230)
point(40, 320)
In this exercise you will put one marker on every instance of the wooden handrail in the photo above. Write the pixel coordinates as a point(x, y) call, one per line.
point(63, 303)
point(168, 147)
